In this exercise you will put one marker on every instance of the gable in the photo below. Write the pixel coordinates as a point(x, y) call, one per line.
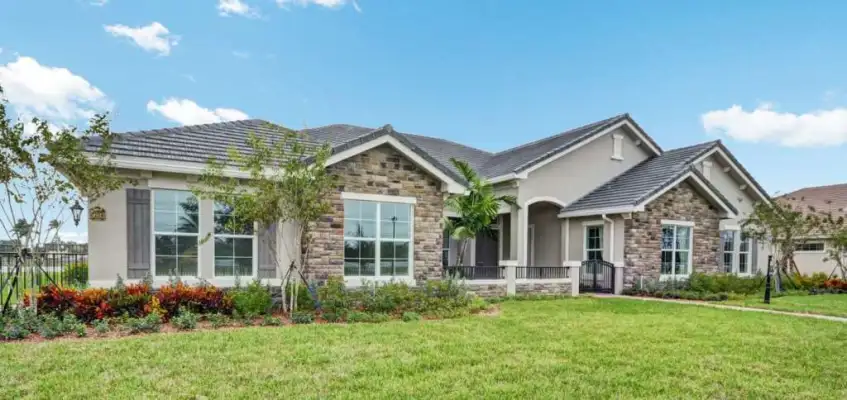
point(584, 169)
point(728, 185)
point(386, 171)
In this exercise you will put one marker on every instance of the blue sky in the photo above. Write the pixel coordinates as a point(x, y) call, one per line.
point(492, 74)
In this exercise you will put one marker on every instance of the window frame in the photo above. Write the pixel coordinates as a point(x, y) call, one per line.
point(749, 253)
point(732, 253)
point(377, 239)
point(153, 232)
point(674, 251)
point(820, 242)
point(585, 236)
point(254, 272)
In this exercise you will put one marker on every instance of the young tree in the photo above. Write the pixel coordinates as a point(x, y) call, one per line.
point(783, 226)
point(476, 209)
point(43, 171)
point(834, 227)
point(283, 182)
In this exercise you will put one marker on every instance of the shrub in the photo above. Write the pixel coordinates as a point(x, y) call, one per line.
point(305, 302)
point(254, 299)
point(101, 326)
point(410, 316)
point(71, 325)
point(185, 320)
point(725, 283)
point(246, 319)
point(271, 321)
point(218, 320)
point(150, 323)
point(15, 331)
point(129, 300)
point(331, 317)
point(302, 317)
point(332, 296)
point(50, 326)
point(201, 299)
point(355, 317)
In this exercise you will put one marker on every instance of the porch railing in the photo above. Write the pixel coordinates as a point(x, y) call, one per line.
point(542, 272)
point(475, 273)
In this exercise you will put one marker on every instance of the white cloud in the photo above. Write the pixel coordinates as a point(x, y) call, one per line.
point(237, 7)
point(187, 112)
point(99, 3)
point(77, 237)
point(154, 37)
point(241, 54)
point(50, 92)
point(190, 78)
point(322, 3)
point(763, 124)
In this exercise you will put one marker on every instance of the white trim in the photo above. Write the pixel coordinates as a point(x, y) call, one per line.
point(617, 147)
point(675, 222)
point(593, 222)
point(180, 167)
point(707, 169)
point(548, 199)
point(255, 248)
point(190, 280)
point(378, 240)
point(168, 184)
point(737, 170)
point(567, 235)
point(731, 228)
point(811, 251)
point(452, 185)
point(625, 123)
point(184, 234)
point(378, 198)
point(597, 211)
point(585, 248)
point(530, 233)
point(359, 281)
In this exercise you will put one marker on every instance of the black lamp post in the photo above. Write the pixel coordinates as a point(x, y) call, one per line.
point(768, 282)
point(76, 210)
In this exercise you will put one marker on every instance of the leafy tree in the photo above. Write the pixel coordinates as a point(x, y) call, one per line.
point(783, 226)
point(43, 171)
point(476, 209)
point(280, 182)
point(834, 227)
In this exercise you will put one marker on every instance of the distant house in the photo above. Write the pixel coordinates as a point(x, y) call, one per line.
point(833, 198)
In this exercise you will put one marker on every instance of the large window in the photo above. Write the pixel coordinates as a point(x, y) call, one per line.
point(594, 242)
point(175, 233)
point(233, 244)
point(377, 238)
point(744, 255)
point(811, 247)
point(728, 239)
point(676, 250)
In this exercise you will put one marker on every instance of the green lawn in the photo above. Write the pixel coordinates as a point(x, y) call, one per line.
point(584, 348)
point(826, 304)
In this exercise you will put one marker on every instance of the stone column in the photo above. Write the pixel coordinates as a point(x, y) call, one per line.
point(518, 250)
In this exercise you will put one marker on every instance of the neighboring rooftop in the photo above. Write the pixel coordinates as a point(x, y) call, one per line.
point(830, 198)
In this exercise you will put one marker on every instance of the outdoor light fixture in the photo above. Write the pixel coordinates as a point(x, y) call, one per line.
point(76, 210)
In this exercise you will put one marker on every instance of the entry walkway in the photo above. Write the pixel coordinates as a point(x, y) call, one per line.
point(728, 307)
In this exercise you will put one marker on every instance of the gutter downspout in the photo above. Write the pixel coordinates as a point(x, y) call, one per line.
point(611, 237)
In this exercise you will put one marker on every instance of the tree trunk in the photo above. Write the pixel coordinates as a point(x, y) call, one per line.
point(460, 260)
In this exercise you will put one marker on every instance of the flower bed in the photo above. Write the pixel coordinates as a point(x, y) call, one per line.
point(138, 309)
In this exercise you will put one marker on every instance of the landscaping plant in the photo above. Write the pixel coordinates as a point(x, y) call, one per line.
point(185, 320)
point(253, 299)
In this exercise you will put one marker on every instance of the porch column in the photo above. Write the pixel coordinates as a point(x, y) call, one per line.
point(619, 271)
point(518, 235)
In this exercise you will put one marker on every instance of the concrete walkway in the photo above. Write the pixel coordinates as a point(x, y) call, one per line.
point(727, 307)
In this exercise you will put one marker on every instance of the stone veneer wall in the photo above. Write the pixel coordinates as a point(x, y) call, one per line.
point(643, 233)
point(382, 170)
point(487, 290)
point(521, 288)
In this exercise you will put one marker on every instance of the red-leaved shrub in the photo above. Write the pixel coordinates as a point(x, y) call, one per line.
point(197, 299)
point(836, 283)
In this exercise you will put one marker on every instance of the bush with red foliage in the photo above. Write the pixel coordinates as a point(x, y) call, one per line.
point(836, 284)
point(201, 299)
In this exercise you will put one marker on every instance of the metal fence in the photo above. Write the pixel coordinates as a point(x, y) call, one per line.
point(18, 277)
point(556, 272)
point(479, 273)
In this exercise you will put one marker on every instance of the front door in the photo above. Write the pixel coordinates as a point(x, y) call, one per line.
point(486, 249)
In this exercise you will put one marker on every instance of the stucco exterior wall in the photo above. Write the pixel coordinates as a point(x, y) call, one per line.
point(382, 171)
point(576, 239)
point(584, 169)
point(643, 241)
point(547, 249)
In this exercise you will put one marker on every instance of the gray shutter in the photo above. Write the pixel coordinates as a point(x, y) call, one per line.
point(267, 241)
point(138, 233)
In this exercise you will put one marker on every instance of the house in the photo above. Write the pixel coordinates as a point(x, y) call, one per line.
point(604, 191)
point(810, 255)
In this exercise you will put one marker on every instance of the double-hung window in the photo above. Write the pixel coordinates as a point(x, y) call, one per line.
point(728, 239)
point(676, 250)
point(176, 220)
point(377, 239)
point(744, 255)
point(234, 245)
point(737, 252)
point(594, 242)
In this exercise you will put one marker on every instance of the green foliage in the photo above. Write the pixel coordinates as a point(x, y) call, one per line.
point(101, 326)
point(218, 320)
point(724, 283)
point(246, 319)
point(333, 297)
point(355, 317)
point(677, 294)
point(410, 316)
point(148, 324)
point(15, 330)
point(305, 302)
point(271, 321)
point(302, 317)
point(784, 226)
point(331, 317)
point(253, 299)
point(476, 209)
point(50, 327)
point(77, 274)
point(185, 320)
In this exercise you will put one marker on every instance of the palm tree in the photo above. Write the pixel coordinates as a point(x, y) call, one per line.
point(476, 209)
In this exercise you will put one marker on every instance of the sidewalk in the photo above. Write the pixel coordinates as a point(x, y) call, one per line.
point(727, 307)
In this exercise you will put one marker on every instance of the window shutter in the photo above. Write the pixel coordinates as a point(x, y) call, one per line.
point(267, 242)
point(138, 233)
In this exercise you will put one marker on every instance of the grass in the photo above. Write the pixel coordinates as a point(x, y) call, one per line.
point(582, 348)
point(826, 304)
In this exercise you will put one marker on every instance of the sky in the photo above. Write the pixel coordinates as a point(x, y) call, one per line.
point(767, 78)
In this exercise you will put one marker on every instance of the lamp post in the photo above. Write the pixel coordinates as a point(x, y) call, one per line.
point(76, 211)
point(768, 282)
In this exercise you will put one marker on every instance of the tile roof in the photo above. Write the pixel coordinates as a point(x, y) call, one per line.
point(645, 179)
point(831, 198)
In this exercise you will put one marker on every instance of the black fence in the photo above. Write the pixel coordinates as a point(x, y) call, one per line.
point(597, 276)
point(475, 273)
point(18, 277)
point(556, 272)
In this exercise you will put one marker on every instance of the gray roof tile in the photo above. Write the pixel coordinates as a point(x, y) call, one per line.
point(645, 179)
